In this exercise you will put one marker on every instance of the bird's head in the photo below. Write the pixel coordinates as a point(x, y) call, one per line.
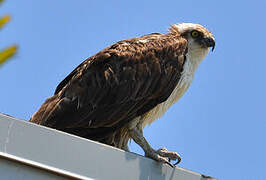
point(196, 34)
point(199, 39)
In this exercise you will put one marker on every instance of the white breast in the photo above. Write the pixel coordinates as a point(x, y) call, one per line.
point(180, 89)
point(192, 61)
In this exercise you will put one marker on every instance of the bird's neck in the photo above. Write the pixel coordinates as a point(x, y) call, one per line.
point(195, 57)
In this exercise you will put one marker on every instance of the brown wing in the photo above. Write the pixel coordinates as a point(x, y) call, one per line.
point(116, 85)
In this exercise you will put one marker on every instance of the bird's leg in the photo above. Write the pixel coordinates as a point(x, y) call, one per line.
point(160, 155)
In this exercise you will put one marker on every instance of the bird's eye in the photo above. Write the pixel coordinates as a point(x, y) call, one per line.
point(195, 34)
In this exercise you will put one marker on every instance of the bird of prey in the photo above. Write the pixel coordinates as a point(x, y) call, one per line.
point(113, 95)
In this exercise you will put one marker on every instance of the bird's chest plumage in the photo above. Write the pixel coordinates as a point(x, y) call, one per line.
point(194, 57)
point(182, 86)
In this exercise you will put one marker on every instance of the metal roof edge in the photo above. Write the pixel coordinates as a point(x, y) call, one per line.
point(78, 158)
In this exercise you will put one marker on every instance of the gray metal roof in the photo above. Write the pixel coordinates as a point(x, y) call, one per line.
point(29, 151)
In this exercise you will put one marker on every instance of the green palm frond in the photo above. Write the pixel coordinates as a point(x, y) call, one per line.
point(8, 52)
point(3, 20)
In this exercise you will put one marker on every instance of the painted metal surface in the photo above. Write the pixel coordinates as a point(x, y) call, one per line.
point(29, 151)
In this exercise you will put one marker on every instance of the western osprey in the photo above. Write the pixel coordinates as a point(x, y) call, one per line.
point(113, 95)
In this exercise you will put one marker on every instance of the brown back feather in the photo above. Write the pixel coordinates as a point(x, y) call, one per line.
point(119, 83)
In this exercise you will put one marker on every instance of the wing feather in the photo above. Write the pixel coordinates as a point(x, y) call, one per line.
point(116, 85)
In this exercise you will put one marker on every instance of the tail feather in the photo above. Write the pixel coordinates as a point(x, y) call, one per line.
point(48, 107)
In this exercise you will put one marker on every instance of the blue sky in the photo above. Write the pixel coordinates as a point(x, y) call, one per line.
point(218, 127)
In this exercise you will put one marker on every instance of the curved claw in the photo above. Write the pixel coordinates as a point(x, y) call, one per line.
point(170, 155)
point(154, 155)
point(170, 164)
point(178, 161)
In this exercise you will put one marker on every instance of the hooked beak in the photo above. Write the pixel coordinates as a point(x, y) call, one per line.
point(209, 42)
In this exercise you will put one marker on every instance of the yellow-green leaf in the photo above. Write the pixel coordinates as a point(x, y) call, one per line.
point(5, 19)
point(1, 1)
point(7, 53)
